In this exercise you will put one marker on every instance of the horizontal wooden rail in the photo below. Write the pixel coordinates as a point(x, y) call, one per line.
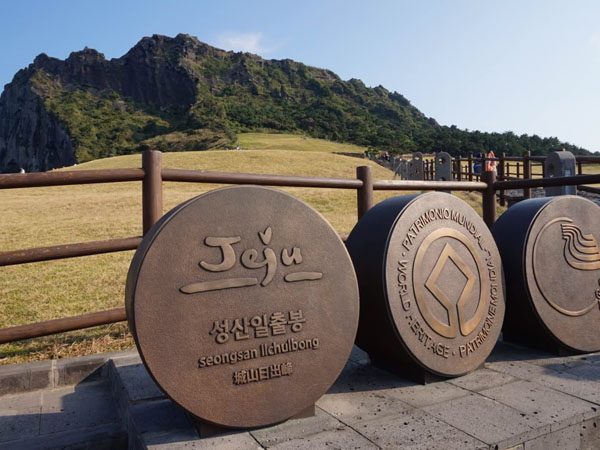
point(68, 251)
point(589, 159)
point(543, 182)
point(590, 189)
point(61, 325)
point(411, 185)
point(199, 176)
point(18, 180)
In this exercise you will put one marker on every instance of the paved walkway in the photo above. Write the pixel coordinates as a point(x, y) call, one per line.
point(522, 399)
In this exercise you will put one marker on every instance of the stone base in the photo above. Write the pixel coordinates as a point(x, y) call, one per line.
point(521, 399)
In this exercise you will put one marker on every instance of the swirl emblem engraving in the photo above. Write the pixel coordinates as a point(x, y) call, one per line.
point(581, 253)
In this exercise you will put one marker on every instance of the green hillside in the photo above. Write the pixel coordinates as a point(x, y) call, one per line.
point(179, 94)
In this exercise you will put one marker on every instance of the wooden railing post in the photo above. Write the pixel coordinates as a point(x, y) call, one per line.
point(470, 166)
point(518, 170)
point(489, 198)
point(458, 168)
point(527, 172)
point(152, 202)
point(501, 163)
point(483, 166)
point(579, 168)
point(364, 194)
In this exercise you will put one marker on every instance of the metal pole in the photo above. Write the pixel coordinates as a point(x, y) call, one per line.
point(364, 194)
point(152, 202)
point(489, 197)
point(501, 177)
point(527, 172)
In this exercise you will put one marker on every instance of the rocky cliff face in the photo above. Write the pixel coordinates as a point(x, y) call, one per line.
point(30, 137)
point(34, 138)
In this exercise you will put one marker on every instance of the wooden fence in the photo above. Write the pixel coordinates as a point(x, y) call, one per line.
point(152, 175)
point(508, 168)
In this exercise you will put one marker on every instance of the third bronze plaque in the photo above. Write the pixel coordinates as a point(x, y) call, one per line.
point(431, 284)
point(550, 250)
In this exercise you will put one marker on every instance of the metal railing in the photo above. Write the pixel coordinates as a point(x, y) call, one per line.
point(508, 168)
point(152, 175)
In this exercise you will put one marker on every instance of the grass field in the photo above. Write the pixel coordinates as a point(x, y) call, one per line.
point(265, 141)
point(69, 214)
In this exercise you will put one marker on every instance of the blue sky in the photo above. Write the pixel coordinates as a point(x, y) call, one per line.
point(526, 66)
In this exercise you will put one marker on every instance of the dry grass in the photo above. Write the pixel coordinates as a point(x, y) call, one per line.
point(59, 215)
point(265, 141)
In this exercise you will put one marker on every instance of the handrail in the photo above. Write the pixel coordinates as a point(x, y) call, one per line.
point(201, 176)
point(68, 251)
point(61, 325)
point(544, 182)
point(590, 189)
point(411, 185)
point(25, 180)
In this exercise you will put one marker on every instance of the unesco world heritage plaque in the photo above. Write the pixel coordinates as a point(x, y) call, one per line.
point(431, 284)
point(550, 251)
point(244, 305)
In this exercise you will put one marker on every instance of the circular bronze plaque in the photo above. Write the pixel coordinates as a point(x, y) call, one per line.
point(442, 282)
point(561, 267)
point(244, 305)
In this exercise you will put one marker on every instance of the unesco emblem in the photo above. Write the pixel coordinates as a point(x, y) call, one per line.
point(461, 317)
point(442, 289)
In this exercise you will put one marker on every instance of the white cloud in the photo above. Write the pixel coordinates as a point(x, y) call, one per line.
point(595, 41)
point(242, 42)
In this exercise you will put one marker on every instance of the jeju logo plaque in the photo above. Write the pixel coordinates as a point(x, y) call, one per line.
point(431, 284)
point(244, 305)
point(552, 259)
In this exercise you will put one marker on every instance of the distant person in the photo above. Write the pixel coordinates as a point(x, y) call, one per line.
point(21, 170)
point(490, 165)
point(477, 165)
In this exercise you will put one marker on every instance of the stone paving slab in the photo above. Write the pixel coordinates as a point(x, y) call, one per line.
point(547, 405)
point(181, 441)
point(485, 419)
point(340, 438)
point(360, 406)
point(482, 379)
point(430, 394)
point(20, 415)
point(68, 417)
point(522, 399)
point(80, 406)
point(416, 430)
point(104, 437)
point(295, 429)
